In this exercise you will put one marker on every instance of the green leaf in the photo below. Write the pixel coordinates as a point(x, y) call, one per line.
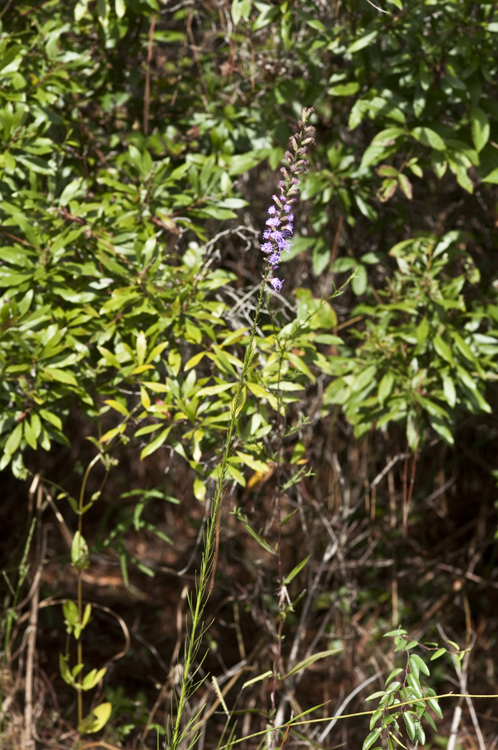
point(14, 439)
point(438, 653)
point(428, 137)
point(429, 720)
point(257, 679)
point(385, 387)
point(418, 665)
point(120, 7)
point(65, 671)
point(62, 376)
point(415, 685)
point(492, 177)
point(305, 663)
point(199, 489)
point(117, 406)
point(259, 539)
point(433, 703)
point(362, 42)
point(96, 720)
point(156, 443)
point(345, 89)
point(294, 572)
point(371, 738)
point(360, 281)
point(79, 552)
point(93, 678)
point(449, 388)
point(443, 350)
point(420, 734)
point(109, 357)
point(480, 128)
point(394, 674)
point(241, 9)
point(410, 725)
point(141, 347)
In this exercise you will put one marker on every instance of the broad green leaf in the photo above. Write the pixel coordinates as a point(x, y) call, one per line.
point(120, 7)
point(428, 137)
point(95, 721)
point(199, 489)
point(62, 376)
point(241, 9)
point(492, 177)
point(344, 89)
point(79, 552)
point(117, 406)
point(48, 416)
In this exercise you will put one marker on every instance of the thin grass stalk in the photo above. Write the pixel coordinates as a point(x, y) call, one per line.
point(207, 568)
point(276, 241)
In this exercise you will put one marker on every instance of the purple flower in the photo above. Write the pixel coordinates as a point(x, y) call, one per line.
point(277, 284)
point(283, 244)
point(277, 240)
point(273, 222)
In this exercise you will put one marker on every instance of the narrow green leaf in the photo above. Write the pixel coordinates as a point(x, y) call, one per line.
point(14, 439)
point(371, 738)
point(294, 572)
point(363, 42)
point(311, 660)
point(257, 679)
point(410, 725)
point(156, 443)
point(443, 350)
point(433, 703)
point(438, 653)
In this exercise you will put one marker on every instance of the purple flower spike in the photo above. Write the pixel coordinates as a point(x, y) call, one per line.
point(277, 240)
point(277, 284)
